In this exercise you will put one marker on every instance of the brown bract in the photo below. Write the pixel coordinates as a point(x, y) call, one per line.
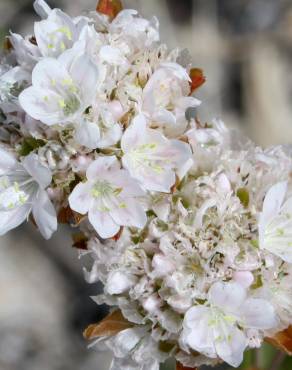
point(197, 78)
point(179, 366)
point(110, 8)
point(282, 340)
point(110, 325)
point(67, 216)
point(80, 241)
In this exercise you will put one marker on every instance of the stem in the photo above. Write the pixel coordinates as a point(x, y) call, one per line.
point(257, 358)
point(277, 361)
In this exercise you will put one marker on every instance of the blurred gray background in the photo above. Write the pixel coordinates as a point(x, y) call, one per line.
point(245, 49)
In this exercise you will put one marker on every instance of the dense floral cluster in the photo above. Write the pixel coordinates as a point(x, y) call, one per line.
point(189, 225)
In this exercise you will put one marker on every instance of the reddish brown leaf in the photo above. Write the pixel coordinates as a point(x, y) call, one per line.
point(110, 325)
point(283, 340)
point(197, 77)
point(67, 216)
point(179, 366)
point(109, 7)
point(79, 241)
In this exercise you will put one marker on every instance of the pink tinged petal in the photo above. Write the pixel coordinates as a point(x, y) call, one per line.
point(130, 187)
point(116, 109)
point(228, 296)
point(44, 214)
point(11, 219)
point(41, 174)
point(161, 182)
point(244, 278)
point(162, 266)
point(100, 166)
point(87, 134)
point(103, 223)
point(259, 314)
point(129, 213)
point(80, 199)
point(119, 282)
point(230, 345)
point(197, 332)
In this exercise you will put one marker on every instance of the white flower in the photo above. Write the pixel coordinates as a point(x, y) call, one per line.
point(165, 98)
point(275, 222)
point(153, 159)
point(61, 89)
point(217, 329)
point(110, 197)
point(22, 190)
point(56, 33)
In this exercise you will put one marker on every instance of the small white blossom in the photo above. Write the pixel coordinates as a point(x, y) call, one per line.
point(151, 158)
point(61, 89)
point(110, 197)
point(22, 191)
point(214, 329)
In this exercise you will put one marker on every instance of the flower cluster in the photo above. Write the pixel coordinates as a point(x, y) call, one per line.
point(189, 225)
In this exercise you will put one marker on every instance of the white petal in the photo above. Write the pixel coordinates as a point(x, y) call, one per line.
point(231, 346)
point(103, 223)
point(7, 161)
point(40, 173)
point(258, 313)
point(87, 134)
point(273, 200)
point(42, 8)
point(48, 72)
point(41, 105)
point(55, 34)
point(84, 73)
point(44, 214)
point(119, 282)
point(11, 219)
point(112, 55)
point(133, 134)
point(197, 332)
point(228, 296)
point(100, 166)
point(131, 214)
point(80, 199)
